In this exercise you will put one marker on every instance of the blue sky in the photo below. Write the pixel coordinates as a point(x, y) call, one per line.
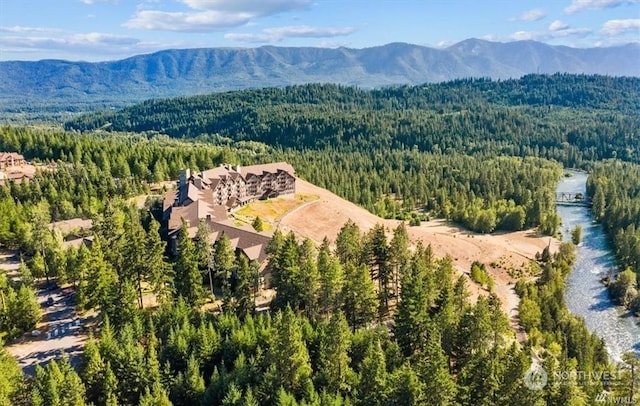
point(96, 30)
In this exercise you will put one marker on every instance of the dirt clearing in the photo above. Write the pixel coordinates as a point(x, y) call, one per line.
point(326, 215)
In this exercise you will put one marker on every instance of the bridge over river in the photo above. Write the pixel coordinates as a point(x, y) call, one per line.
point(573, 199)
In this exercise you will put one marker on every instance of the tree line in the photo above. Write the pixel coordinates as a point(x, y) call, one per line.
point(569, 118)
point(483, 192)
point(614, 188)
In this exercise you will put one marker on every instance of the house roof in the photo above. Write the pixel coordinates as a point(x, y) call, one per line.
point(193, 213)
point(224, 171)
point(252, 243)
point(67, 226)
point(169, 199)
point(270, 168)
point(215, 173)
point(5, 156)
point(77, 242)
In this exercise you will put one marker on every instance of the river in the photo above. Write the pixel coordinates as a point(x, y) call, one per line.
point(586, 296)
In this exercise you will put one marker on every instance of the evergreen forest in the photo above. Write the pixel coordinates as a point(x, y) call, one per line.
point(371, 318)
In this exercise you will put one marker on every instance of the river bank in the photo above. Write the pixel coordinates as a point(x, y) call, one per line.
point(585, 295)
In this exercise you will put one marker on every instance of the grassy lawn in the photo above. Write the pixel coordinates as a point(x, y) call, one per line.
point(270, 211)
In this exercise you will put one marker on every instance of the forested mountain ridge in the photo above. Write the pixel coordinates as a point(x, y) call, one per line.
point(569, 118)
point(26, 86)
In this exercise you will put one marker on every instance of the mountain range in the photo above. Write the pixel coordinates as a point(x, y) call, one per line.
point(58, 84)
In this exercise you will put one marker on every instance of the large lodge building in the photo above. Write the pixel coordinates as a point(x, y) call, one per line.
point(211, 194)
point(9, 160)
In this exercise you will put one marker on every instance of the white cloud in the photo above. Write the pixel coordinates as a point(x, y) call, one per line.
point(617, 27)
point(308, 31)
point(550, 33)
point(211, 15)
point(254, 7)
point(97, 38)
point(531, 15)
point(82, 45)
point(579, 5)
point(558, 25)
point(571, 32)
point(98, 1)
point(33, 30)
point(208, 20)
point(277, 34)
point(525, 35)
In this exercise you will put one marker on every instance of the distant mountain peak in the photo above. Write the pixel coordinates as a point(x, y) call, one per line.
point(179, 72)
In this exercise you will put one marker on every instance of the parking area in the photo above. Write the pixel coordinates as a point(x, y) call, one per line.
point(62, 331)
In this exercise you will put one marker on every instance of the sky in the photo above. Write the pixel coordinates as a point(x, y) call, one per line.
point(99, 30)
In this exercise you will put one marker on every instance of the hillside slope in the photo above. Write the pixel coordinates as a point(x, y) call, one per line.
point(326, 216)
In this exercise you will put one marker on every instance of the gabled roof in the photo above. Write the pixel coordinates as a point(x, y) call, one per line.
point(193, 213)
point(169, 199)
point(67, 226)
point(5, 156)
point(252, 243)
point(214, 173)
point(193, 193)
point(270, 168)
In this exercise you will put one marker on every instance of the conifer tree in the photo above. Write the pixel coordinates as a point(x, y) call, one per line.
point(10, 378)
point(204, 248)
point(398, 254)
point(102, 279)
point(257, 224)
point(406, 388)
point(331, 277)
point(249, 399)
point(135, 253)
point(157, 396)
point(334, 373)
point(412, 318)
point(348, 243)
point(286, 278)
point(309, 282)
point(157, 270)
point(373, 389)
point(233, 396)
point(246, 275)
point(289, 357)
point(440, 389)
point(24, 311)
point(93, 372)
point(224, 264)
point(360, 302)
point(380, 270)
point(188, 280)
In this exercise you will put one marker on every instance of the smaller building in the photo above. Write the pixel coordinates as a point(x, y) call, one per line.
point(10, 160)
point(75, 232)
point(17, 177)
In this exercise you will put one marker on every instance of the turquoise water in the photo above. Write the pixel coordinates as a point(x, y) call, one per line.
point(586, 296)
